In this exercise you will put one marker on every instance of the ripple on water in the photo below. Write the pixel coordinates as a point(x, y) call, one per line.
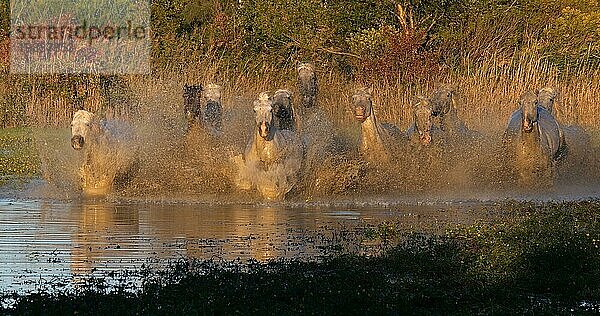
point(45, 239)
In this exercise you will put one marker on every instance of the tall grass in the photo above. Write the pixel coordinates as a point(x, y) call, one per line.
point(488, 91)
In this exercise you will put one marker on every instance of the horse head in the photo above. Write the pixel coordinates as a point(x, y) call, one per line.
point(362, 103)
point(263, 114)
point(83, 127)
point(529, 106)
point(422, 114)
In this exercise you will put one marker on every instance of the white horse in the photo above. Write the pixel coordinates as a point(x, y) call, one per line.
point(376, 138)
point(444, 113)
point(202, 108)
point(546, 97)
point(212, 109)
point(272, 158)
point(283, 110)
point(422, 127)
point(537, 139)
point(108, 148)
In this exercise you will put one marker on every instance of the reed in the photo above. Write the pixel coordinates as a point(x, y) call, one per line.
point(488, 91)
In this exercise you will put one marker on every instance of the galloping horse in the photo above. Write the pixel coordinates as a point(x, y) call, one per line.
point(421, 128)
point(272, 158)
point(307, 85)
point(376, 138)
point(537, 140)
point(202, 107)
point(283, 110)
point(443, 106)
point(109, 148)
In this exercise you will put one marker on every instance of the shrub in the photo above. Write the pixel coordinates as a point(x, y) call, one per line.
point(391, 54)
point(575, 35)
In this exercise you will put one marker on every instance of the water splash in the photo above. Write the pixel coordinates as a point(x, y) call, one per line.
point(174, 163)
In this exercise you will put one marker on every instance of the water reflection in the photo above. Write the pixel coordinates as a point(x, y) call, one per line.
point(234, 232)
point(44, 239)
point(104, 231)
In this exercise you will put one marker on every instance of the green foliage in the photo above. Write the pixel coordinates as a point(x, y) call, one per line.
point(307, 28)
point(479, 30)
point(186, 31)
point(575, 34)
point(549, 248)
point(344, 31)
point(393, 55)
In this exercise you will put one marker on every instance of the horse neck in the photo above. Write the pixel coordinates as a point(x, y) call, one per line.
point(261, 142)
point(370, 130)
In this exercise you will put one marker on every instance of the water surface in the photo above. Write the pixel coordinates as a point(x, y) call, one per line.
point(43, 239)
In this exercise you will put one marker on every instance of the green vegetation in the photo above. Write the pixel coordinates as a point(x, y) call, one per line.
point(18, 155)
point(546, 259)
point(542, 259)
point(344, 32)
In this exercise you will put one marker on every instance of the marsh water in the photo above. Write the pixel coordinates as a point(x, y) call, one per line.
point(45, 240)
point(42, 240)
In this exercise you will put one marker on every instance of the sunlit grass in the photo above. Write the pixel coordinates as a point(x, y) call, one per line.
point(488, 91)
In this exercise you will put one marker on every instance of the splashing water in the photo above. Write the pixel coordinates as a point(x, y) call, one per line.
point(174, 163)
point(94, 170)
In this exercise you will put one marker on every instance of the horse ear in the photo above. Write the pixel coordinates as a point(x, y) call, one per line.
point(453, 99)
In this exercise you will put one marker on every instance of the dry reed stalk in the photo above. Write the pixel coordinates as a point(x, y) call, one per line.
point(488, 91)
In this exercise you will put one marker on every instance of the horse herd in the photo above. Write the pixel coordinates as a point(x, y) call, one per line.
point(273, 157)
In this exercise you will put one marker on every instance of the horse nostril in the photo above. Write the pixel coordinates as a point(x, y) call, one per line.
point(527, 125)
point(426, 138)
